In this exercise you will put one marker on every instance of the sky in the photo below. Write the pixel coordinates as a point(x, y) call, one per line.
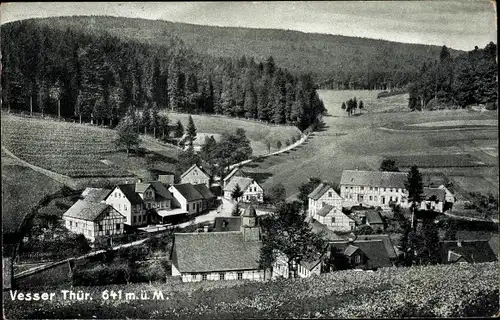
point(459, 24)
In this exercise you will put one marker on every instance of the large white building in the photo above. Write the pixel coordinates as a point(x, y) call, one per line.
point(373, 188)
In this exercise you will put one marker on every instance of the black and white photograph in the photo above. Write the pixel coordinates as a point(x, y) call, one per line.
point(249, 159)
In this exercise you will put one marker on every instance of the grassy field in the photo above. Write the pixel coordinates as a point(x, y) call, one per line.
point(362, 142)
point(432, 291)
point(257, 132)
point(76, 150)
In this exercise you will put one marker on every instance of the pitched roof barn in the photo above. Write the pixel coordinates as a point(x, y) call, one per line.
point(374, 250)
point(439, 194)
point(188, 191)
point(319, 191)
point(243, 182)
point(86, 210)
point(373, 217)
point(382, 179)
point(195, 166)
point(161, 190)
point(204, 191)
point(473, 251)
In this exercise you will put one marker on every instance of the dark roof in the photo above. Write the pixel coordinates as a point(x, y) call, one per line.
point(216, 190)
point(188, 191)
point(193, 167)
point(129, 192)
point(161, 190)
point(214, 251)
point(222, 224)
point(374, 250)
point(141, 187)
point(95, 194)
point(233, 172)
point(382, 179)
point(439, 193)
point(86, 210)
point(249, 212)
point(373, 217)
point(385, 239)
point(474, 251)
point(318, 227)
point(325, 210)
point(204, 191)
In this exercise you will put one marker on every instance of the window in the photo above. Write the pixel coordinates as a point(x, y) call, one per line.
point(135, 219)
point(357, 259)
point(125, 207)
point(351, 188)
point(204, 277)
point(330, 194)
point(333, 219)
point(240, 275)
point(350, 196)
point(392, 190)
point(375, 198)
point(362, 188)
point(100, 227)
point(76, 224)
point(117, 226)
point(222, 276)
point(116, 195)
point(371, 198)
point(107, 232)
point(371, 188)
point(149, 205)
point(396, 200)
point(376, 188)
point(71, 224)
point(384, 189)
point(323, 204)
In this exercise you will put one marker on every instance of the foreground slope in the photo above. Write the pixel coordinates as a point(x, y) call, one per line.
point(432, 291)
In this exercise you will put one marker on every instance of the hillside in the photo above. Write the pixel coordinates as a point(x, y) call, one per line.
point(458, 290)
point(338, 61)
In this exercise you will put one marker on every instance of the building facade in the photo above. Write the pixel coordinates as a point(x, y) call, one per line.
point(196, 175)
point(252, 190)
point(321, 196)
point(374, 188)
point(187, 198)
point(94, 220)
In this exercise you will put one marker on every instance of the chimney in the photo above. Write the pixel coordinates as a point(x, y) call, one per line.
point(205, 228)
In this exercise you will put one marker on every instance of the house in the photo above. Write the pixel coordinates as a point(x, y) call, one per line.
point(236, 172)
point(196, 175)
point(374, 220)
point(385, 238)
point(135, 200)
point(319, 228)
point(333, 218)
point(209, 199)
point(93, 219)
point(466, 251)
point(433, 199)
point(305, 269)
point(187, 198)
point(321, 196)
point(252, 191)
point(359, 254)
point(229, 255)
point(373, 188)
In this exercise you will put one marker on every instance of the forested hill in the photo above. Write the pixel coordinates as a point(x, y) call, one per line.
point(335, 61)
point(93, 73)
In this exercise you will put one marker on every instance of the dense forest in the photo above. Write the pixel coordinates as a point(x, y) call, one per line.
point(335, 62)
point(470, 78)
point(93, 74)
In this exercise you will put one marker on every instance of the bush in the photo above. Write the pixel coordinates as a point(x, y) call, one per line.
point(118, 273)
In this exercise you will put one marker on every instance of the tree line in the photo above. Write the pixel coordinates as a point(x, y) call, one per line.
point(97, 77)
point(468, 79)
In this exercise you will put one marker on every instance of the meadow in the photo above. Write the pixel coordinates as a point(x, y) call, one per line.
point(76, 150)
point(257, 132)
point(456, 290)
point(363, 141)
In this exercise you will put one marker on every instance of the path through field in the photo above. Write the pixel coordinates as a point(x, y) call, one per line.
point(358, 142)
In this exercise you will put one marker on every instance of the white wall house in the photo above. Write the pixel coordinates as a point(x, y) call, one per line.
point(196, 175)
point(187, 197)
point(322, 195)
point(252, 190)
point(433, 199)
point(125, 200)
point(373, 188)
point(93, 220)
point(305, 269)
point(334, 219)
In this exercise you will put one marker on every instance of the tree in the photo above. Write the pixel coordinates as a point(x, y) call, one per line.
point(236, 193)
point(127, 136)
point(277, 193)
point(305, 189)
point(430, 235)
point(186, 159)
point(344, 107)
point(179, 129)
point(361, 105)
point(388, 165)
point(208, 150)
point(191, 130)
point(278, 145)
point(415, 189)
point(287, 233)
point(236, 212)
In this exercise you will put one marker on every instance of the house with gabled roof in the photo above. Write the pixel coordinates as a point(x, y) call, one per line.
point(228, 255)
point(466, 251)
point(252, 190)
point(93, 219)
point(374, 219)
point(321, 196)
point(374, 188)
point(187, 198)
point(433, 199)
point(359, 254)
point(95, 194)
point(209, 199)
point(236, 172)
point(196, 175)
